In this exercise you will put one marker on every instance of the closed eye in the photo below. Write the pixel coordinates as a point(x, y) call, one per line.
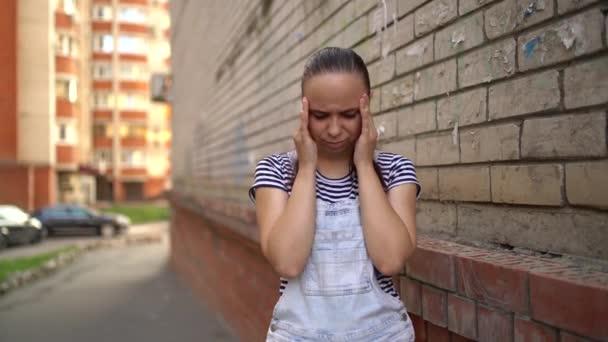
point(319, 115)
point(350, 114)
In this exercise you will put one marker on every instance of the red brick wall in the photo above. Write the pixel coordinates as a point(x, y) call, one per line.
point(452, 291)
point(16, 181)
point(45, 186)
point(14, 185)
point(8, 74)
point(154, 187)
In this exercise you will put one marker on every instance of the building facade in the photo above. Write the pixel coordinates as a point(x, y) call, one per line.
point(80, 125)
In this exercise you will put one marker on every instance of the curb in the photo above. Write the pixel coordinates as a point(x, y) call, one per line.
point(20, 279)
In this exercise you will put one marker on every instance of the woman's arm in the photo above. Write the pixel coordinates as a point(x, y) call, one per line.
point(389, 222)
point(287, 224)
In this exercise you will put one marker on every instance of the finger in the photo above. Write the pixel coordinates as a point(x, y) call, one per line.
point(304, 115)
point(364, 110)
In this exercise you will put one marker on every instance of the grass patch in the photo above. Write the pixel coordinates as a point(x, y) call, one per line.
point(10, 266)
point(141, 213)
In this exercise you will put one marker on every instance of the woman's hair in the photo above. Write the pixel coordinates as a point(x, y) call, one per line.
point(335, 60)
point(338, 60)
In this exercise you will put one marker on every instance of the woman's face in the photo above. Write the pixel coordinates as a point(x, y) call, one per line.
point(334, 119)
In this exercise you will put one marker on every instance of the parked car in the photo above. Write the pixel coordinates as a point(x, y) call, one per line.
point(18, 227)
point(78, 219)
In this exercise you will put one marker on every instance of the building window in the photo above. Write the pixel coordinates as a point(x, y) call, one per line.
point(103, 43)
point(66, 89)
point(65, 45)
point(132, 15)
point(132, 158)
point(134, 130)
point(66, 133)
point(102, 100)
point(131, 44)
point(102, 12)
point(133, 72)
point(133, 101)
point(67, 6)
point(102, 130)
point(102, 71)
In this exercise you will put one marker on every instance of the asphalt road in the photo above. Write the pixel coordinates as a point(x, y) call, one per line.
point(118, 294)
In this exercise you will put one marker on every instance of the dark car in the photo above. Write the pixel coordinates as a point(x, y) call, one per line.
point(78, 219)
point(17, 227)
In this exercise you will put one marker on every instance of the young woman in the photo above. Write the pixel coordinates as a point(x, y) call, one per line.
point(336, 216)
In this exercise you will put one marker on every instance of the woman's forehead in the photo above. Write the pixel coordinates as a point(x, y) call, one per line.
point(335, 90)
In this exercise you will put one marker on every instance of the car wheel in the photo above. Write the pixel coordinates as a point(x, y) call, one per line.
point(41, 235)
point(106, 231)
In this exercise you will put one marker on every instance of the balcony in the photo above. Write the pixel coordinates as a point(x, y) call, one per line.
point(102, 115)
point(66, 65)
point(132, 142)
point(102, 142)
point(137, 115)
point(66, 109)
point(138, 86)
point(133, 171)
point(63, 21)
point(131, 57)
point(134, 28)
point(101, 26)
point(66, 154)
point(102, 85)
point(134, 2)
point(102, 56)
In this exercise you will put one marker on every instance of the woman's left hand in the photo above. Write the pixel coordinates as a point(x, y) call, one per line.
point(366, 144)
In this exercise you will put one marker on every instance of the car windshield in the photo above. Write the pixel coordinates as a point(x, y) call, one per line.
point(13, 214)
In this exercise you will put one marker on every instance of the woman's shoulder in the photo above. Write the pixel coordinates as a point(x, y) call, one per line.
point(281, 161)
point(389, 160)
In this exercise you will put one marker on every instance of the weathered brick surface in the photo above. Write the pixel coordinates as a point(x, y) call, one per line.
point(467, 6)
point(465, 108)
point(416, 119)
point(564, 6)
point(429, 182)
point(397, 93)
point(432, 267)
point(460, 36)
point(493, 325)
point(435, 80)
point(562, 41)
point(468, 183)
point(437, 150)
point(544, 138)
point(514, 15)
point(436, 217)
point(415, 55)
point(406, 6)
point(406, 147)
point(411, 293)
point(462, 316)
point(526, 330)
point(489, 143)
point(583, 83)
point(536, 93)
point(587, 183)
point(386, 124)
point(434, 306)
point(490, 63)
point(527, 184)
point(434, 14)
point(383, 70)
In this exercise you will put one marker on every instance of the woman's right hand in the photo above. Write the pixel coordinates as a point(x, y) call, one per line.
point(305, 145)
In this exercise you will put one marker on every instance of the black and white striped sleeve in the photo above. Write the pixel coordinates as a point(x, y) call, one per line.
point(269, 172)
point(403, 171)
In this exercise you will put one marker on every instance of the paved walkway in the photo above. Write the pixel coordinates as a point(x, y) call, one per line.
point(117, 294)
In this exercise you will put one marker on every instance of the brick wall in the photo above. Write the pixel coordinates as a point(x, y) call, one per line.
point(501, 105)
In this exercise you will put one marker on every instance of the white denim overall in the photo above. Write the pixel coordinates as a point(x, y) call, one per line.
point(337, 296)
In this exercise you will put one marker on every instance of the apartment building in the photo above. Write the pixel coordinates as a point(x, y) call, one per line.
point(78, 122)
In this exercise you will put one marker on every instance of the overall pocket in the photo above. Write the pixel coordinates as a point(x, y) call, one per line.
point(337, 272)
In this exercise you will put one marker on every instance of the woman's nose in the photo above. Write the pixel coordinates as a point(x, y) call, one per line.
point(334, 126)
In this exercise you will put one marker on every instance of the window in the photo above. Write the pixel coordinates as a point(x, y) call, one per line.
point(67, 6)
point(102, 100)
point(132, 15)
point(103, 43)
point(133, 101)
point(103, 157)
point(132, 158)
point(133, 72)
point(65, 45)
point(134, 130)
point(102, 12)
point(102, 130)
point(131, 44)
point(102, 71)
point(66, 89)
point(66, 133)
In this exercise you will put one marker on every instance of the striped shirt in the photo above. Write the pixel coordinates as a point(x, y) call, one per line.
point(276, 171)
